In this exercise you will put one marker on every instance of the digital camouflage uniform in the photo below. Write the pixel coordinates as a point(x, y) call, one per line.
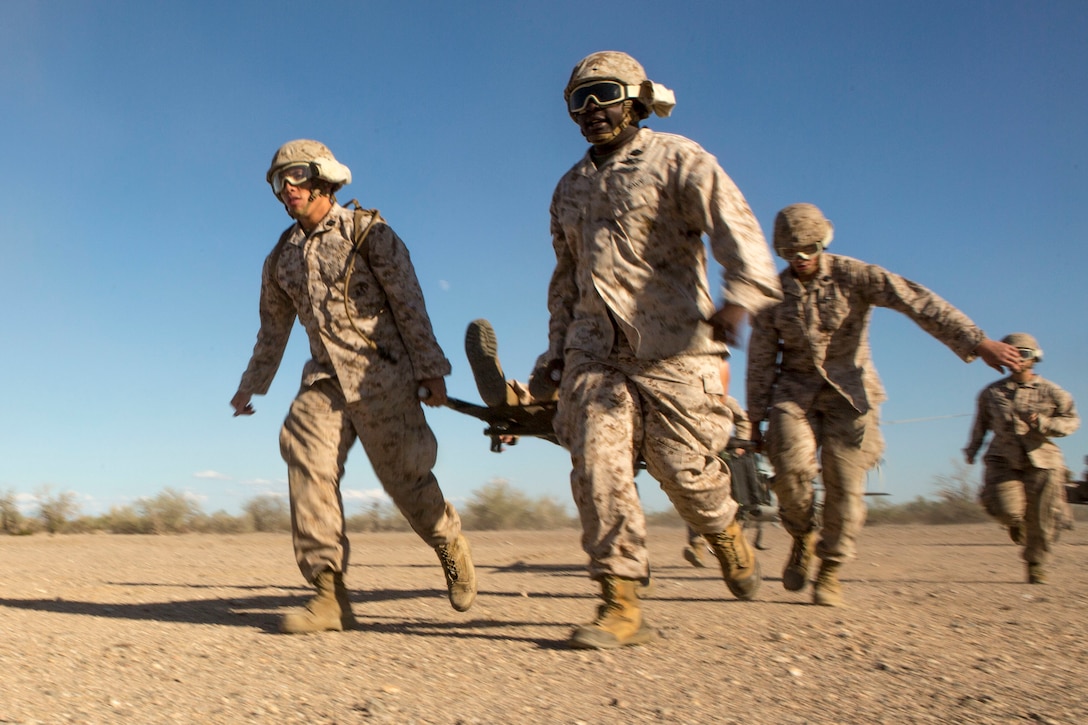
point(742, 430)
point(629, 304)
point(742, 426)
point(1025, 472)
point(811, 376)
point(355, 386)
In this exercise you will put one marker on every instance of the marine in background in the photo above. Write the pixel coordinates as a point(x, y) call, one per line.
point(811, 379)
point(1024, 479)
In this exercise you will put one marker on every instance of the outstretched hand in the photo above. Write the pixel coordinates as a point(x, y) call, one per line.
point(999, 355)
point(433, 392)
point(240, 403)
point(545, 378)
point(727, 323)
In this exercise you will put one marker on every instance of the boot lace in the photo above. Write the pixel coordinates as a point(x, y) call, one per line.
point(797, 553)
point(726, 546)
point(611, 604)
point(449, 564)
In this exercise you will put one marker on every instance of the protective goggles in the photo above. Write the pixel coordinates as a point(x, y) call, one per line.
point(804, 252)
point(602, 93)
point(1029, 353)
point(293, 175)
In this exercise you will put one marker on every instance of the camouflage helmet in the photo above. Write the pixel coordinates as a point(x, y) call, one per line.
point(614, 65)
point(611, 65)
point(315, 154)
point(801, 225)
point(1024, 341)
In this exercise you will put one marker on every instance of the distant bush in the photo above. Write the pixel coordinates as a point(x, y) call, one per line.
point(171, 512)
point(378, 516)
point(83, 525)
point(667, 517)
point(11, 520)
point(55, 511)
point(223, 523)
point(268, 513)
point(957, 503)
point(497, 506)
point(125, 520)
point(494, 506)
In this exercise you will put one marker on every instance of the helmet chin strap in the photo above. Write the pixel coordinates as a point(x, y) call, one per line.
point(317, 190)
point(603, 138)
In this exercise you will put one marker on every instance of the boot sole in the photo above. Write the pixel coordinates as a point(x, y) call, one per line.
point(462, 603)
point(482, 351)
point(747, 588)
point(794, 579)
point(593, 638)
point(304, 628)
point(824, 598)
point(826, 601)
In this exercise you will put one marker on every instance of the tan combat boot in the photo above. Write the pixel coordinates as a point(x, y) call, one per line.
point(619, 620)
point(691, 556)
point(692, 552)
point(827, 591)
point(1036, 573)
point(482, 351)
point(456, 559)
point(740, 568)
point(330, 609)
point(795, 575)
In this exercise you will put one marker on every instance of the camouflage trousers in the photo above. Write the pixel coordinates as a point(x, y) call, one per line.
point(848, 445)
point(670, 414)
point(1031, 496)
point(315, 439)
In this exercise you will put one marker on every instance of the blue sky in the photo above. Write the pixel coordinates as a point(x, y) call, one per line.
point(945, 139)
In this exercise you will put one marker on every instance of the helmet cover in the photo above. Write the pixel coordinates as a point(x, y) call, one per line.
point(317, 155)
point(1023, 340)
point(616, 65)
point(799, 225)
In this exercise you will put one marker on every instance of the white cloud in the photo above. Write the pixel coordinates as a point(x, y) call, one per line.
point(444, 285)
point(27, 503)
point(212, 475)
point(373, 494)
point(264, 482)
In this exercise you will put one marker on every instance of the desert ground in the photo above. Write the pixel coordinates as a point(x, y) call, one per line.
point(940, 628)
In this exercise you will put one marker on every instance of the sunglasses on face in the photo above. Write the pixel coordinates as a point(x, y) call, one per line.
point(804, 252)
point(1027, 353)
point(602, 93)
point(293, 175)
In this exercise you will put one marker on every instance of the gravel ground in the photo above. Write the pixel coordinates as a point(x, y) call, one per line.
point(940, 628)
